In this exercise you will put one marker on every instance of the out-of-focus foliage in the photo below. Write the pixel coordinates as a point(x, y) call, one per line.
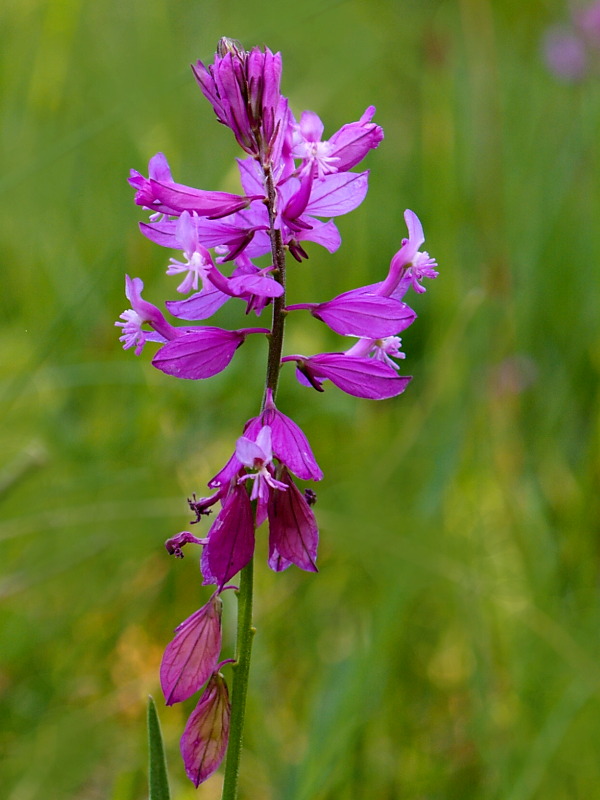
point(448, 648)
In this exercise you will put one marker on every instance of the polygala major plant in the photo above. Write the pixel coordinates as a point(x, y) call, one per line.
point(294, 181)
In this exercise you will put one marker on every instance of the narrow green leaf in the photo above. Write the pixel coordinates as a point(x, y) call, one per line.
point(157, 765)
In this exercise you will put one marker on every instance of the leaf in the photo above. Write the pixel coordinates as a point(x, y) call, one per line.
point(157, 765)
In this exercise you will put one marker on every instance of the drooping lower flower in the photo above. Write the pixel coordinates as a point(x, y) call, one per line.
point(206, 734)
point(192, 657)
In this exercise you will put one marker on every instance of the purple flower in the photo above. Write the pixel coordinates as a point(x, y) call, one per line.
point(361, 377)
point(174, 198)
point(205, 737)
point(343, 151)
point(293, 531)
point(200, 353)
point(408, 266)
point(142, 312)
point(162, 195)
point(192, 657)
point(288, 443)
point(357, 314)
point(230, 539)
point(243, 89)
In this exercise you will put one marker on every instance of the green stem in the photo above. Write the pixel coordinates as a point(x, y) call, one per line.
point(241, 669)
point(278, 252)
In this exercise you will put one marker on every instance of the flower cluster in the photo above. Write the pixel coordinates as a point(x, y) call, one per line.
point(294, 182)
point(573, 50)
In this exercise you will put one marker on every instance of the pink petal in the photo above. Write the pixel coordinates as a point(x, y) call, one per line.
point(337, 194)
point(365, 315)
point(178, 197)
point(199, 354)
point(324, 233)
point(242, 285)
point(361, 377)
point(199, 306)
point(415, 229)
point(290, 445)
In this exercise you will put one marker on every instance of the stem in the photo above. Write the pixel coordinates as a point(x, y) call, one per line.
point(278, 251)
point(241, 669)
point(245, 630)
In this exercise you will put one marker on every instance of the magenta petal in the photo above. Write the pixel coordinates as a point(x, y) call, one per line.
point(324, 233)
point(296, 205)
point(192, 657)
point(415, 230)
point(162, 233)
point(361, 377)
point(251, 176)
point(226, 474)
point(290, 445)
point(365, 315)
point(255, 284)
point(231, 537)
point(198, 354)
point(158, 168)
point(337, 194)
point(179, 197)
point(204, 740)
point(293, 531)
point(199, 306)
point(353, 141)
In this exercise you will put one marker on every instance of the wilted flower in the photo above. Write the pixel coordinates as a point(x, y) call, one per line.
point(205, 736)
point(192, 657)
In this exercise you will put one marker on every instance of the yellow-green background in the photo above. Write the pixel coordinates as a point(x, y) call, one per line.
point(448, 648)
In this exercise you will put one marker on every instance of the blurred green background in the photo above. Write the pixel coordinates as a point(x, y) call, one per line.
point(448, 648)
